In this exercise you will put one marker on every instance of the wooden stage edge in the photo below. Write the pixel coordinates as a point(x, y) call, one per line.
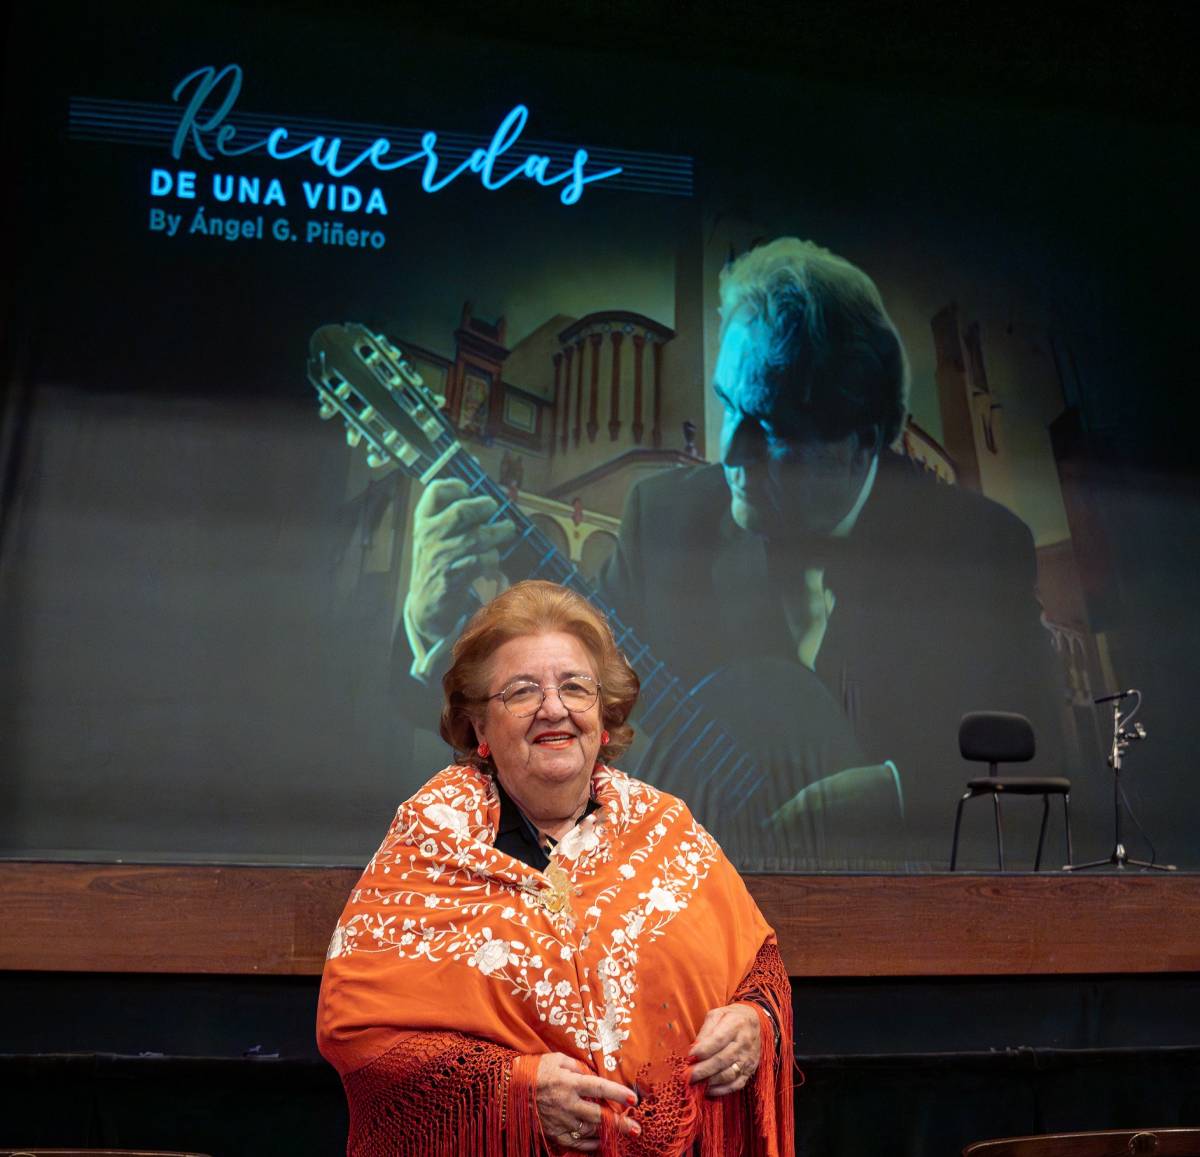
point(86, 917)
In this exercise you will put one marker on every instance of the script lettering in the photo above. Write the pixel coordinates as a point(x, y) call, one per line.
point(212, 93)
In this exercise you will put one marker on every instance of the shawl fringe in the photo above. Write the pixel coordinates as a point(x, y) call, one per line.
point(444, 1094)
point(678, 1120)
point(523, 1128)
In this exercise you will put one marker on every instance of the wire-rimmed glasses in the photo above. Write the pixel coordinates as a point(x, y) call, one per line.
point(524, 698)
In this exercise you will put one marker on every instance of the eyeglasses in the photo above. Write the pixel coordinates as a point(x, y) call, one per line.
point(523, 698)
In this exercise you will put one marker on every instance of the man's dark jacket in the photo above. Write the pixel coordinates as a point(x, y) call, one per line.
point(935, 615)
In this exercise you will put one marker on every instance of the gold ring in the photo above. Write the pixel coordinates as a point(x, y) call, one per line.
point(737, 1069)
point(576, 1135)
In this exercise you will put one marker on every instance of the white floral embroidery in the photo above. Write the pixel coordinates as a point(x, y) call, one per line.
point(447, 817)
point(580, 839)
point(337, 943)
point(610, 1036)
point(490, 956)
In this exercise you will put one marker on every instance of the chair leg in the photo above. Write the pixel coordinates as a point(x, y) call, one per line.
point(1067, 821)
point(999, 830)
point(1037, 863)
point(957, 824)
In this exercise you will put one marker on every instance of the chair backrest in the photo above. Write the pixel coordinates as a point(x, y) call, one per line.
point(1108, 1143)
point(38, 1151)
point(996, 737)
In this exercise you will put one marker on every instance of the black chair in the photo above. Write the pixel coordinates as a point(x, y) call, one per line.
point(1173, 1142)
point(995, 737)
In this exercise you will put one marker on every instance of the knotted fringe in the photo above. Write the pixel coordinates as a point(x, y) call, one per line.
point(759, 1121)
point(668, 1112)
point(678, 1119)
point(609, 1133)
point(444, 1094)
point(523, 1128)
point(771, 1088)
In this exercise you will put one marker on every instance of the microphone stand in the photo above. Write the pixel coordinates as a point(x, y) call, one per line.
point(1122, 738)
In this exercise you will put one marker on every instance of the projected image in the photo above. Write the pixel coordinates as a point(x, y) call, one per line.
point(818, 404)
point(810, 614)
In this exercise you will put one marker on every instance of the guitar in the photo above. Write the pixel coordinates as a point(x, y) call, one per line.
point(387, 410)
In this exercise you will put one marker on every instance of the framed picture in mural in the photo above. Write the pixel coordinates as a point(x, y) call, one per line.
point(474, 416)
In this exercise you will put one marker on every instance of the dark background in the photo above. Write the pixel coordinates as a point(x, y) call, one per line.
point(914, 1068)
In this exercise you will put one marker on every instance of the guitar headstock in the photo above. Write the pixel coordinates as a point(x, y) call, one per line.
point(381, 399)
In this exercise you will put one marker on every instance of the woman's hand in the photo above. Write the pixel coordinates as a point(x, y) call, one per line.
point(568, 1093)
point(727, 1049)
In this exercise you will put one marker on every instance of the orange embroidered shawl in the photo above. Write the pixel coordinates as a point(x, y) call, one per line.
point(615, 960)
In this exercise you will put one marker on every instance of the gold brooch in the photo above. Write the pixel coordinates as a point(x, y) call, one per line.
point(556, 897)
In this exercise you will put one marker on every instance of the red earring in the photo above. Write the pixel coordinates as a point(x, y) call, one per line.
point(603, 738)
point(483, 751)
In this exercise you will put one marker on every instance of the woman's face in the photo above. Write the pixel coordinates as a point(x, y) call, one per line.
point(553, 747)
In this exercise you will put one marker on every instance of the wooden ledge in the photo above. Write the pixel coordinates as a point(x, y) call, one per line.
point(86, 917)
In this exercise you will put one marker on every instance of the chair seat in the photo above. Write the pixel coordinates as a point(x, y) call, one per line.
point(1019, 785)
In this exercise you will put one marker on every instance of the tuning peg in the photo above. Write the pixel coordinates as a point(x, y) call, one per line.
point(366, 414)
point(353, 436)
point(409, 373)
point(427, 421)
point(376, 459)
point(328, 409)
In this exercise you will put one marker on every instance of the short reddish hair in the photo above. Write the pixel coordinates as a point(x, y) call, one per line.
point(534, 607)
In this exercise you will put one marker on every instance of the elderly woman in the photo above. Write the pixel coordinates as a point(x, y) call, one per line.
point(545, 953)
